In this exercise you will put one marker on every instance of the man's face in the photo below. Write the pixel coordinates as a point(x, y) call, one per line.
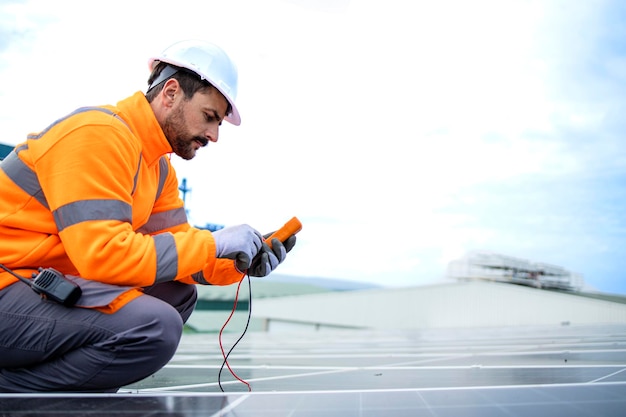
point(192, 124)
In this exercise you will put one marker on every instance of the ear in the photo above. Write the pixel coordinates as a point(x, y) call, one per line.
point(171, 91)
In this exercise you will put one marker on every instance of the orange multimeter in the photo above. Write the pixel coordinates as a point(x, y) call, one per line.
point(292, 227)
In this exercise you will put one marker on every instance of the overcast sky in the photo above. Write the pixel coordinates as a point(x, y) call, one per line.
point(402, 133)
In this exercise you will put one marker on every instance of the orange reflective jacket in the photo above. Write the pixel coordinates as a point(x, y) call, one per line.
point(95, 195)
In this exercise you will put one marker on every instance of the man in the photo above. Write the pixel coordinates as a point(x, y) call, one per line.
point(95, 197)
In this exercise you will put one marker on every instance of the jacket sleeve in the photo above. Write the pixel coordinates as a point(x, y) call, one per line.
point(193, 244)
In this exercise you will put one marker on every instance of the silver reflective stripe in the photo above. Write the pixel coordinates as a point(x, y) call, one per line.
point(136, 178)
point(77, 111)
point(163, 171)
point(23, 176)
point(199, 278)
point(167, 257)
point(95, 293)
point(86, 210)
point(160, 221)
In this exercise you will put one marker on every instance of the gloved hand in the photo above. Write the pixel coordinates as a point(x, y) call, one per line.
point(239, 243)
point(269, 258)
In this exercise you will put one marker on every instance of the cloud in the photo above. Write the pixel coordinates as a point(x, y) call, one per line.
point(17, 27)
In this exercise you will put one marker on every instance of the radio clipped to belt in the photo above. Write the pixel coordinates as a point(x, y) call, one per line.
point(50, 284)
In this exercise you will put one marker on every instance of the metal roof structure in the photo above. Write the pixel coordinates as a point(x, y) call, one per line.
point(484, 265)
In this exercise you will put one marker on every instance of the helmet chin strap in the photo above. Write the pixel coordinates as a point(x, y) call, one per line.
point(167, 72)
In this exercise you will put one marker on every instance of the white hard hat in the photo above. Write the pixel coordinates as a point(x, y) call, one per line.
point(210, 62)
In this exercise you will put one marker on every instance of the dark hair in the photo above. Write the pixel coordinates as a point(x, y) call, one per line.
point(189, 82)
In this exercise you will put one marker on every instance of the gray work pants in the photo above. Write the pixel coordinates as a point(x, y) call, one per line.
point(45, 346)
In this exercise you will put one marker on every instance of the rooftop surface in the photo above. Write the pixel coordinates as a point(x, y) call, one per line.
point(539, 371)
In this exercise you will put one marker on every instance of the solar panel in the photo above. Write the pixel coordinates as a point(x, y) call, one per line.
point(547, 371)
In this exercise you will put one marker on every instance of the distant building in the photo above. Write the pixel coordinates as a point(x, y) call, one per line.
point(212, 227)
point(4, 150)
point(452, 305)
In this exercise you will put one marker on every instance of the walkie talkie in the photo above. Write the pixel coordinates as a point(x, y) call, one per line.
point(51, 285)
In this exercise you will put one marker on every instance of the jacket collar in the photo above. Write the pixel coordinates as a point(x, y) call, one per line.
point(137, 113)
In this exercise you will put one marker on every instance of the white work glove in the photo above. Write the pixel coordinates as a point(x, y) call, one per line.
point(239, 243)
point(269, 258)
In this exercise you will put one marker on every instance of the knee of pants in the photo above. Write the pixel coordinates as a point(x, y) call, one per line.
point(169, 332)
point(181, 296)
point(156, 331)
point(190, 298)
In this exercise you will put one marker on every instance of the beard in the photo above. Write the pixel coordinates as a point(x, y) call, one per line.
point(182, 142)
